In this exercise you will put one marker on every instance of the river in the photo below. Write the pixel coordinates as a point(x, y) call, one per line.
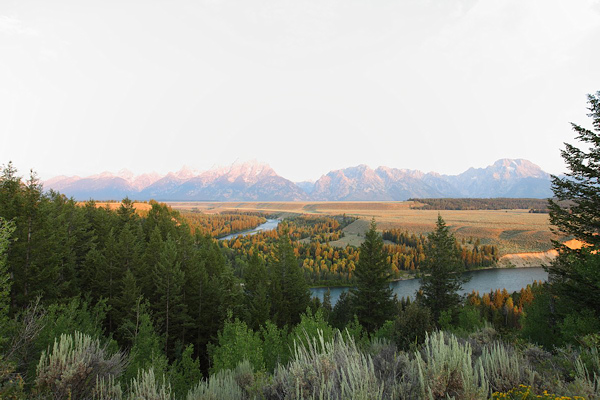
point(267, 226)
point(511, 279)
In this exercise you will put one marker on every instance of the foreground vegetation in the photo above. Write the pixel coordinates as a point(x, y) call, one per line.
point(107, 304)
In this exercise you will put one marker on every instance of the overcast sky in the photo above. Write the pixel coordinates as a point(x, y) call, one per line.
point(306, 86)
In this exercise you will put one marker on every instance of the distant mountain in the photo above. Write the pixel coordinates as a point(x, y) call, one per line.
point(254, 181)
point(504, 178)
point(250, 181)
point(383, 184)
point(306, 186)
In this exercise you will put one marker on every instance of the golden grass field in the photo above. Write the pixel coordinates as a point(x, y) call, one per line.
point(140, 207)
point(513, 231)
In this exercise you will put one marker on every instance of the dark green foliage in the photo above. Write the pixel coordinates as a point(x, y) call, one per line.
point(412, 325)
point(372, 300)
point(538, 322)
point(288, 289)
point(581, 185)
point(497, 203)
point(575, 272)
point(443, 273)
point(342, 312)
point(256, 292)
point(184, 373)
point(147, 346)
point(6, 230)
point(169, 308)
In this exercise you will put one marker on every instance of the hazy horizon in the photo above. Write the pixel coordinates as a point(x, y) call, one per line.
point(304, 86)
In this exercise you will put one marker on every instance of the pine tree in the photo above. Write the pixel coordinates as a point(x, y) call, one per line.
point(6, 230)
point(168, 302)
point(372, 300)
point(288, 291)
point(443, 271)
point(575, 211)
point(256, 292)
point(125, 303)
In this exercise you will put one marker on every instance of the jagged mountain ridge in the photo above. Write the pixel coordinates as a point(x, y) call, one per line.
point(253, 181)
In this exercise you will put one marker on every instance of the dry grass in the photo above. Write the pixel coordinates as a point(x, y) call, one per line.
point(513, 231)
point(140, 208)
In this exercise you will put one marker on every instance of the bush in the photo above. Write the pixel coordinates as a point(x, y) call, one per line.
point(236, 343)
point(411, 325)
point(76, 364)
point(146, 387)
point(335, 369)
point(275, 345)
point(445, 369)
point(504, 368)
point(221, 385)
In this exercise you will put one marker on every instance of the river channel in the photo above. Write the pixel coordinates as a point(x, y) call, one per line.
point(511, 279)
point(267, 226)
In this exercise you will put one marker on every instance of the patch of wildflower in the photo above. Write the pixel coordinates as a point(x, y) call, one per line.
point(524, 392)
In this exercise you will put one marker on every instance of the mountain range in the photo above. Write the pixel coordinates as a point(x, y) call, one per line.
point(254, 181)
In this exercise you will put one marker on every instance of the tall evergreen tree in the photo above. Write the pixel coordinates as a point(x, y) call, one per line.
point(258, 304)
point(443, 271)
point(575, 211)
point(288, 291)
point(372, 299)
point(6, 230)
point(168, 303)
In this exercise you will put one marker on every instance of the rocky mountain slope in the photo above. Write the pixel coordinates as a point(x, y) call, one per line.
point(253, 181)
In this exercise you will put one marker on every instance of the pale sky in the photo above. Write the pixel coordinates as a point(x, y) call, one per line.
point(306, 86)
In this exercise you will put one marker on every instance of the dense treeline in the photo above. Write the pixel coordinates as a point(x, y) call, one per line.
point(482, 204)
point(409, 254)
point(220, 225)
point(142, 281)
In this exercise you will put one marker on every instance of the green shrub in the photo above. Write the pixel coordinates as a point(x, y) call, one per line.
point(319, 369)
point(445, 369)
point(504, 368)
point(147, 387)
point(236, 343)
point(221, 385)
point(75, 365)
point(411, 325)
point(275, 345)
